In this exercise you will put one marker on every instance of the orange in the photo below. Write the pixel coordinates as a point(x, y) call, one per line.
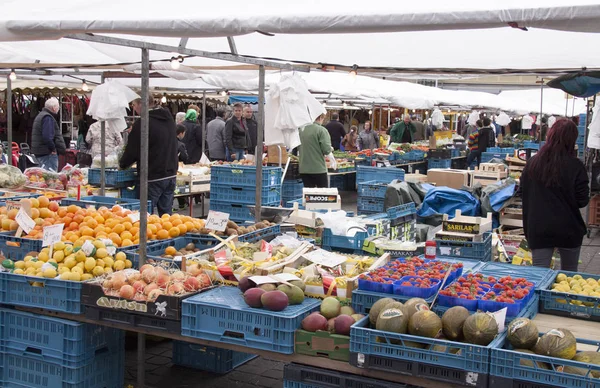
point(14, 225)
point(99, 219)
point(73, 238)
point(78, 218)
point(62, 212)
point(171, 251)
point(53, 206)
point(116, 239)
point(128, 225)
point(173, 232)
point(165, 216)
point(134, 230)
point(118, 228)
point(127, 243)
point(154, 219)
point(72, 209)
point(177, 222)
point(92, 223)
point(86, 231)
point(12, 213)
point(162, 234)
point(126, 236)
point(167, 225)
point(6, 223)
point(35, 203)
point(39, 221)
point(182, 229)
point(43, 202)
point(67, 220)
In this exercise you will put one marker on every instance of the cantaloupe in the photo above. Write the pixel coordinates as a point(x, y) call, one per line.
point(522, 333)
point(529, 363)
point(425, 323)
point(377, 308)
point(559, 343)
point(415, 304)
point(590, 358)
point(480, 329)
point(393, 319)
point(453, 321)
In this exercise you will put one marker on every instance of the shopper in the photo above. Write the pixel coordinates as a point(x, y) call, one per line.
point(543, 130)
point(193, 136)
point(182, 156)
point(403, 131)
point(384, 138)
point(112, 137)
point(336, 131)
point(473, 144)
point(419, 129)
point(252, 127)
point(179, 118)
point(350, 141)
point(236, 134)
point(368, 139)
point(162, 154)
point(487, 136)
point(554, 184)
point(215, 134)
point(46, 137)
point(315, 144)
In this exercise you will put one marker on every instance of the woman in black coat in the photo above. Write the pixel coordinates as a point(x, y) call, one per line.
point(555, 187)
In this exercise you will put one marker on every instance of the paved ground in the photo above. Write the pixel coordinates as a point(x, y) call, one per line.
point(260, 372)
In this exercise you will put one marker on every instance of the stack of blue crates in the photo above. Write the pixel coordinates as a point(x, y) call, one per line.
point(581, 138)
point(371, 195)
point(233, 189)
point(439, 163)
point(291, 190)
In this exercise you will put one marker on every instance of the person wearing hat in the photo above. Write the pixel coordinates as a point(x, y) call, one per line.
point(193, 136)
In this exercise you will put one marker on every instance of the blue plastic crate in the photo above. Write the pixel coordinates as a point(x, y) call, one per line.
point(245, 195)
point(531, 144)
point(363, 300)
point(401, 210)
point(16, 248)
point(245, 175)
point(501, 151)
point(334, 241)
point(112, 177)
point(413, 156)
point(289, 202)
point(130, 193)
point(530, 310)
point(370, 204)
point(541, 277)
point(372, 189)
point(303, 376)
point(439, 163)
point(261, 234)
point(54, 294)
point(455, 153)
point(16, 197)
point(98, 201)
point(506, 369)
point(237, 212)
point(106, 370)
point(292, 188)
point(381, 174)
point(208, 358)
point(366, 213)
point(466, 249)
point(66, 342)
point(222, 315)
point(559, 303)
point(470, 358)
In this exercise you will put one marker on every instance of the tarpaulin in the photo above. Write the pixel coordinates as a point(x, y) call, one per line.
point(444, 200)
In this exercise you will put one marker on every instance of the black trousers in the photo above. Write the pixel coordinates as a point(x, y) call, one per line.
point(315, 180)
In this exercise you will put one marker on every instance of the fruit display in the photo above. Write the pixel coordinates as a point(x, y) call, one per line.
point(272, 296)
point(38, 177)
point(87, 224)
point(333, 317)
point(577, 285)
point(234, 229)
point(11, 177)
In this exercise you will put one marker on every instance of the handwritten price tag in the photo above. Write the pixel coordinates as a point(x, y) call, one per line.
point(217, 221)
point(25, 222)
point(324, 258)
point(52, 234)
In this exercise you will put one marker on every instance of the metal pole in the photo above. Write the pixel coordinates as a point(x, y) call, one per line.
point(203, 122)
point(259, 141)
point(380, 115)
point(389, 115)
point(9, 120)
point(143, 173)
point(102, 151)
point(567, 105)
point(541, 105)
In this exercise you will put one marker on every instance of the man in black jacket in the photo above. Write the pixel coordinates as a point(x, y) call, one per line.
point(236, 133)
point(162, 154)
point(252, 127)
point(193, 137)
point(336, 131)
point(487, 136)
point(46, 136)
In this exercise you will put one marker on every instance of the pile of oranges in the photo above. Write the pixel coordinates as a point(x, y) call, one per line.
point(88, 223)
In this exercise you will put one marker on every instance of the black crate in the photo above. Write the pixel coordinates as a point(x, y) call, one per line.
point(126, 318)
point(326, 378)
point(439, 153)
point(502, 382)
point(293, 171)
point(421, 370)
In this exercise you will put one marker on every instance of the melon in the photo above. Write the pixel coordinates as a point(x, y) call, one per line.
point(393, 319)
point(377, 308)
point(415, 304)
point(559, 343)
point(529, 363)
point(573, 370)
point(589, 358)
point(453, 321)
point(413, 344)
point(480, 329)
point(444, 349)
point(522, 333)
point(425, 323)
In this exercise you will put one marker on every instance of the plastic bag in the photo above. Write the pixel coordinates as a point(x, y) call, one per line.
point(75, 175)
point(339, 224)
point(111, 161)
point(11, 177)
point(473, 117)
point(594, 127)
point(44, 179)
point(502, 119)
point(437, 118)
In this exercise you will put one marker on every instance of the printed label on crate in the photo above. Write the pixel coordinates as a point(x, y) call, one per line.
point(452, 238)
point(52, 234)
point(121, 304)
point(460, 227)
point(217, 221)
point(383, 163)
point(325, 258)
point(10, 205)
point(317, 198)
point(25, 221)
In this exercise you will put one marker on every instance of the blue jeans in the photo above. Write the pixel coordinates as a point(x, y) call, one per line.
point(48, 162)
point(472, 156)
point(162, 193)
point(239, 153)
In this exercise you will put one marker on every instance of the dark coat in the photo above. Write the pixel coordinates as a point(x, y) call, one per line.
point(38, 145)
point(336, 132)
point(193, 141)
point(235, 135)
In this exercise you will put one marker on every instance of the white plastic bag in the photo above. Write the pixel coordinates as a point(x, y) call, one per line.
point(594, 127)
point(473, 117)
point(437, 118)
point(502, 119)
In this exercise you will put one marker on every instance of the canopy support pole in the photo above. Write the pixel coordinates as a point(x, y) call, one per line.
point(381, 115)
point(102, 151)
point(541, 106)
point(203, 126)
point(143, 173)
point(567, 106)
point(9, 120)
point(232, 46)
point(259, 142)
point(389, 116)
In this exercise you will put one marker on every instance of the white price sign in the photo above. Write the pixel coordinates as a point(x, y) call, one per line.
point(134, 217)
point(324, 258)
point(217, 221)
point(52, 234)
point(25, 222)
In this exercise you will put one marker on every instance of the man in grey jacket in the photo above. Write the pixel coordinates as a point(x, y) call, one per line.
point(215, 134)
point(368, 139)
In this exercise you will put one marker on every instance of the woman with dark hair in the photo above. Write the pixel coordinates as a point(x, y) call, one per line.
point(555, 186)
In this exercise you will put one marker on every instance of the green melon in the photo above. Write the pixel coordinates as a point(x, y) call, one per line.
point(452, 322)
point(522, 333)
point(589, 358)
point(444, 349)
point(559, 343)
point(393, 319)
point(377, 308)
point(529, 363)
point(415, 304)
point(416, 345)
point(480, 329)
point(425, 323)
point(573, 370)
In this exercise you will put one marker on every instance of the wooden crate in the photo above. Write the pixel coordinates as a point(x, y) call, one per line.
point(464, 228)
point(512, 215)
point(594, 211)
point(489, 173)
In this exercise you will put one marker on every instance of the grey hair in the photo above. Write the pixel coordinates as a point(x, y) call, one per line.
point(179, 117)
point(52, 104)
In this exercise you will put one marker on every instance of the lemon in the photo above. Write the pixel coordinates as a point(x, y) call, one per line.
point(75, 276)
point(19, 271)
point(62, 270)
point(77, 269)
point(43, 256)
point(100, 263)
point(80, 266)
point(119, 265)
point(50, 273)
point(30, 271)
point(38, 264)
point(108, 261)
point(128, 264)
point(108, 270)
point(101, 253)
point(68, 249)
point(80, 256)
point(98, 244)
point(65, 275)
point(86, 276)
point(20, 265)
point(560, 277)
point(28, 258)
point(58, 256)
point(120, 256)
point(90, 263)
point(29, 264)
point(591, 281)
point(98, 271)
point(59, 246)
point(70, 262)
point(577, 277)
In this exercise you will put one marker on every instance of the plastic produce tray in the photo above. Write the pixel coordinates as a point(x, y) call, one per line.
point(466, 249)
point(506, 369)
point(372, 189)
point(128, 319)
point(302, 376)
point(370, 204)
point(237, 212)
point(401, 210)
point(99, 201)
point(208, 358)
point(112, 177)
point(558, 303)
point(382, 174)
point(413, 156)
point(472, 359)
point(68, 343)
point(439, 163)
point(49, 294)
point(531, 144)
point(222, 315)
point(245, 195)
point(244, 175)
point(344, 242)
point(542, 277)
point(16, 248)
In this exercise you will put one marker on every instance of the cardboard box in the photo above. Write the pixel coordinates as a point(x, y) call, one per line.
point(454, 179)
point(273, 154)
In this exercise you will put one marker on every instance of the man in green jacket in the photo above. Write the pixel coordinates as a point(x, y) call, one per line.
point(315, 146)
point(402, 131)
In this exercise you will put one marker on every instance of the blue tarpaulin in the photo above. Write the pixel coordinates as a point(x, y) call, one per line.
point(498, 198)
point(243, 99)
point(444, 200)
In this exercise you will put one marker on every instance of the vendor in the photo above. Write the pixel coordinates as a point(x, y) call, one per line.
point(350, 140)
point(112, 137)
point(403, 131)
point(315, 145)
